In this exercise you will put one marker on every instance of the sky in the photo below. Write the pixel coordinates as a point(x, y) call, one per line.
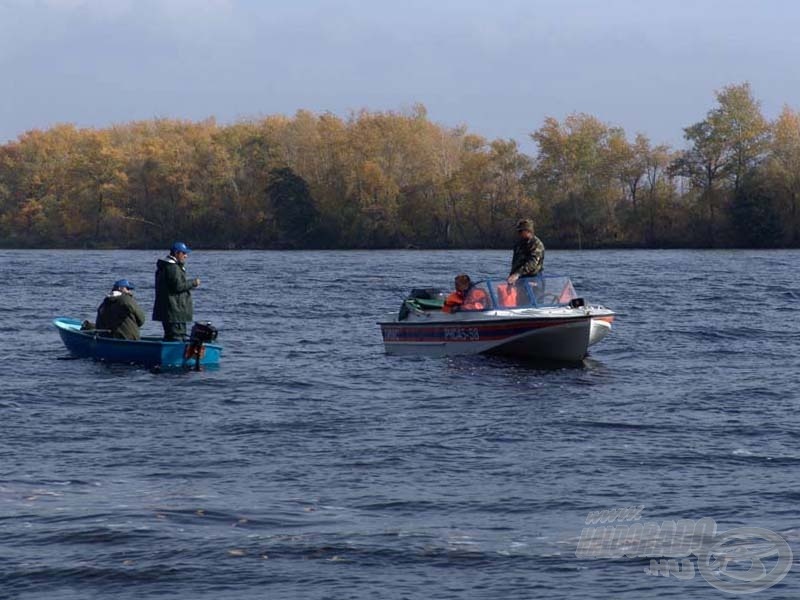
point(499, 67)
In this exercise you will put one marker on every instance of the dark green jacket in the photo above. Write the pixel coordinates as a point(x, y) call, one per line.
point(120, 314)
point(528, 257)
point(173, 293)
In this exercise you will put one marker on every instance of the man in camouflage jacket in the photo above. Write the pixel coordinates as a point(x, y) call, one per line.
point(528, 259)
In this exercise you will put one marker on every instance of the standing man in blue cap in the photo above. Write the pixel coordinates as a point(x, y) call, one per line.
point(119, 315)
point(173, 305)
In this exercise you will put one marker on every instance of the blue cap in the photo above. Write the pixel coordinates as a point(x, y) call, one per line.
point(123, 283)
point(179, 247)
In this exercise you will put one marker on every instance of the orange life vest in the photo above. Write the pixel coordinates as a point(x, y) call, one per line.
point(507, 296)
point(453, 302)
point(476, 299)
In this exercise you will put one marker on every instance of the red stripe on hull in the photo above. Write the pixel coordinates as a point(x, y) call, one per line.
point(470, 331)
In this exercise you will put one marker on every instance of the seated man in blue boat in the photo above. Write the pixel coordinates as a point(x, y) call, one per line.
point(119, 315)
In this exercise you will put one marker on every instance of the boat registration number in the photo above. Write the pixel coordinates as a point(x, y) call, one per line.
point(461, 334)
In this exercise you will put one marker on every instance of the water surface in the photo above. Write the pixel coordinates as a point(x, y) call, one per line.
point(312, 465)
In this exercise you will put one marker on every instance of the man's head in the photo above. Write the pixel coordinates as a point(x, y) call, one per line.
point(463, 282)
point(180, 251)
point(525, 228)
point(123, 285)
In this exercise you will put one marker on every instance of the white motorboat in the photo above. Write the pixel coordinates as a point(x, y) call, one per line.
point(538, 317)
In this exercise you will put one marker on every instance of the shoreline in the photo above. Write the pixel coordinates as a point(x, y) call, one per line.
point(196, 248)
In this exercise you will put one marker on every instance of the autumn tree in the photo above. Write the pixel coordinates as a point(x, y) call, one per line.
point(754, 212)
point(726, 144)
point(574, 177)
point(293, 206)
point(783, 170)
point(98, 186)
point(744, 131)
point(659, 192)
point(398, 179)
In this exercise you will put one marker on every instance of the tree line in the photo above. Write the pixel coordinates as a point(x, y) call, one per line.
point(396, 180)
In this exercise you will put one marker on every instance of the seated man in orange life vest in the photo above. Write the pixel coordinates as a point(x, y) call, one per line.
point(465, 297)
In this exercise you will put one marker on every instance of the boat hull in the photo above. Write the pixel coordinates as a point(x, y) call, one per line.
point(151, 352)
point(559, 338)
point(601, 326)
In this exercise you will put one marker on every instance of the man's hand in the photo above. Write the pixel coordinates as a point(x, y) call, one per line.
point(512, 279)
point(196, 282)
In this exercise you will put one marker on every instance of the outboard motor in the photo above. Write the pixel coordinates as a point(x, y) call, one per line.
point(203, 332)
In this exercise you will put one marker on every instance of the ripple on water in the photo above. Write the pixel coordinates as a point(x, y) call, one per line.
point(310, 464)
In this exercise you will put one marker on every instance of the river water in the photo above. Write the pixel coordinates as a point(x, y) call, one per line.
point(312, 465)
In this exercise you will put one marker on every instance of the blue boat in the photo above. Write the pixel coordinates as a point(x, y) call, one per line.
point(149, 351)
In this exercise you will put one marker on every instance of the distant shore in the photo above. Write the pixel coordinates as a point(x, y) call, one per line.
point(398, 180)
point(432, 249)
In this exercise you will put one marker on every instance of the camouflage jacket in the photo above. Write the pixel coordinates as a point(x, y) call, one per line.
point(528, 257)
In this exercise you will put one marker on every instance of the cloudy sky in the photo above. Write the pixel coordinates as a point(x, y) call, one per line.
point(498, 66)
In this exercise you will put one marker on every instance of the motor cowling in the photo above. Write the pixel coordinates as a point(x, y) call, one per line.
point(203, 332)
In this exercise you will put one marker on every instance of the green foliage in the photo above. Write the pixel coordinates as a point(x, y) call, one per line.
point(292, 204)
point(755, 214)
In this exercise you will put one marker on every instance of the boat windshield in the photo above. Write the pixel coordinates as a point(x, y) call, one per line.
point(547, 290)
point(528, 292)
point(552, 290)
point(511, 296)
